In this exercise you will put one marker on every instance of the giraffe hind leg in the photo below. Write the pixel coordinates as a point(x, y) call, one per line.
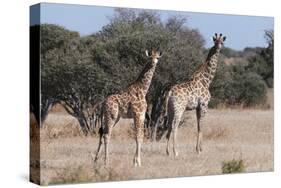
point(174, 130)
point(170, 121)
point(168, 139)
point(100, 143)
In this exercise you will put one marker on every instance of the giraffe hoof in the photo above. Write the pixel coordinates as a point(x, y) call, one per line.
point(137, 162)
point(199, 150)
point(167, 152)
point(137, 165)
point(106, 164)
point(96, 160)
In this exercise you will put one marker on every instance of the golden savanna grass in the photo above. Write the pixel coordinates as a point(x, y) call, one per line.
point(229, 134)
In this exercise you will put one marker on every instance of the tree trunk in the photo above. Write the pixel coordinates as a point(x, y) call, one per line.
point(83, 125)
point(45, 112)
point(45, 109)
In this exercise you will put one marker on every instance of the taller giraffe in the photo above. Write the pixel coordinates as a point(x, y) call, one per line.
point(191, 94)
point(129, 103)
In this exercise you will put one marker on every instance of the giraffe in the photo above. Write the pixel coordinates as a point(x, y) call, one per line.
point(190, 94)
point(129, 103)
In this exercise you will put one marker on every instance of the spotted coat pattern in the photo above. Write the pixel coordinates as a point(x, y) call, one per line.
point(192, 94)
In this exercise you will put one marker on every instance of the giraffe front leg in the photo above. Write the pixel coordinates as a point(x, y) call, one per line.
point(139, 123)
point(200, 114)
point(175, 142)
point(100, 143)
point(172, 130)
point(199, 143)
point(106, 137)
point(175, 130)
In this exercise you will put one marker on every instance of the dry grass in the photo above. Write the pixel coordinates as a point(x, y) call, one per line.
point(228, 134)
point(60, 125)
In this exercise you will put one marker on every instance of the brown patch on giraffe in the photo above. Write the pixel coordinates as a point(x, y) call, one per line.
point(108, 103)
point(205, 75)
point(124, 95)
point(137, 106)
point(202, 89)
point(114, 111)
point(180, 96)
point(191, 98)
point(176, 87)
point(115, 106)
point(177, 92)
point(203, 95)
point(114, 97)
point(185, 85)
point(204, 83)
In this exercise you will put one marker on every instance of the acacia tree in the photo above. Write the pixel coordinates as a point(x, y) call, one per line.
point(65, 75)
point(262, 63)
point(268, 56)
point(54, 43)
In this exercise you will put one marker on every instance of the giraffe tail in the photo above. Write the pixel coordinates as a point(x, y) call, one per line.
point(101, 121)
point(167, 94)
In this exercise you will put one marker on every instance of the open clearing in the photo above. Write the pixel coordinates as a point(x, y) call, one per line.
point(237, 134)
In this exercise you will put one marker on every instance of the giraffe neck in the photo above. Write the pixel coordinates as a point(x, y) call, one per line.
point(206, 72)
point(144, 79)
point(211, 65)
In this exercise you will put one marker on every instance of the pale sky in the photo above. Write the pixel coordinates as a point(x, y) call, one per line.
point(241, 31)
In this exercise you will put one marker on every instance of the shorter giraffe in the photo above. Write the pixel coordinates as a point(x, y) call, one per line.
point(191, 94)
point(129, 103)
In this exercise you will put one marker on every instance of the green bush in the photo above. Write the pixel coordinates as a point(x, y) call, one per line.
point(233, 166)
point(260, 66)
point(247, 88)
point(236, 85)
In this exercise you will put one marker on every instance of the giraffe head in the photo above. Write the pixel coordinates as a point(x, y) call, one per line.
point(218, 40)
point(154, 54)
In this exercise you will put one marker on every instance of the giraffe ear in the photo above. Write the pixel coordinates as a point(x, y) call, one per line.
point(147, 53)
point(223, 38)
point(160, 54)
point(214, 38)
